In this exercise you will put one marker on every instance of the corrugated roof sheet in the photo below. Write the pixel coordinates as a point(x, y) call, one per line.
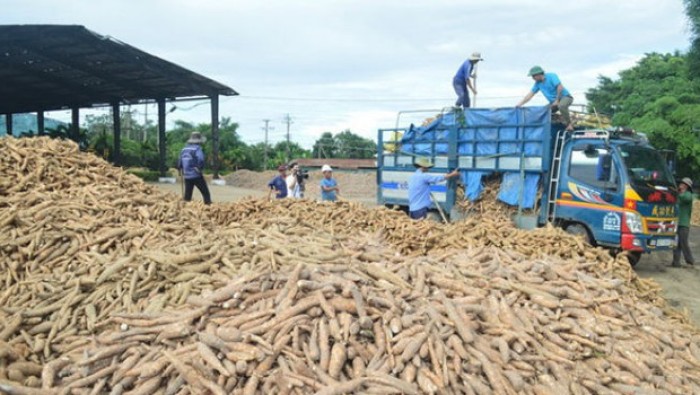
point(50, 67)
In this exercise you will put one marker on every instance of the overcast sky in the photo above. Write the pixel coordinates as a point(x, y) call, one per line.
point(353, 64)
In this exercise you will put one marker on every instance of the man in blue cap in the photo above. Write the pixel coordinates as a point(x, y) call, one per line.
point(462, 81)
point(551, 87)
point(419, 199)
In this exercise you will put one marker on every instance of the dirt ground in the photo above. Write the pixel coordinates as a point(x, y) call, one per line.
point(681, 286)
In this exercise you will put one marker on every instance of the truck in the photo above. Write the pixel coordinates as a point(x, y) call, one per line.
point(607, 185)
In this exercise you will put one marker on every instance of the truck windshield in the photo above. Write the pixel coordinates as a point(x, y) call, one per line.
point(645, 166)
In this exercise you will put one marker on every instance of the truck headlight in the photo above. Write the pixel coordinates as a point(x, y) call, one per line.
point(633, 222)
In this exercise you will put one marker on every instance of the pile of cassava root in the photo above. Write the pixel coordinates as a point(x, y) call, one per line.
point(111, 287)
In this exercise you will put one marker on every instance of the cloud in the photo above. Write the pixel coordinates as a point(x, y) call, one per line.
point(338, 64)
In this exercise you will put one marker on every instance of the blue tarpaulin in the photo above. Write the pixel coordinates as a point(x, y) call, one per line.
point(510, 189)
point(472, 184)
point(495, 133)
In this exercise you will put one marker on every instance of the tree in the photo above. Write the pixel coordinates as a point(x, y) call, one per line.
point(350, 145)
point(279, 152)
point(324, 147)
point(344, 145)
point(657, 97)
point(692, 9)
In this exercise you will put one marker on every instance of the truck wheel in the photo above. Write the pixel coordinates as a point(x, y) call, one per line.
point(578, 230)
point(634, 257)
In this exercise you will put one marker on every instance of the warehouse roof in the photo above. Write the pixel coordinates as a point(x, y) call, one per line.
point(51, 67)
point(339, 163)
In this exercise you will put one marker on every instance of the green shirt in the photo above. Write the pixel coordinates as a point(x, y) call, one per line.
point(685, 208)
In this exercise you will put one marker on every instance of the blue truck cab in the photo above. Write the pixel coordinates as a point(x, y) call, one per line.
point(609, 186)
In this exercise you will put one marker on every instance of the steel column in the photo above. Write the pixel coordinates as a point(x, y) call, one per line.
point(40, 128)
point(117, 124)
point(75, 124)
point(161, 135)
point(215, 133)
point(8, 124)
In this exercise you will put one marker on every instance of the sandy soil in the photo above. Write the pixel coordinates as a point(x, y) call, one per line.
point(681, 286)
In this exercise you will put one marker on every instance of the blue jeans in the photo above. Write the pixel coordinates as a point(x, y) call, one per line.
point(419, 214)
point(462, 93)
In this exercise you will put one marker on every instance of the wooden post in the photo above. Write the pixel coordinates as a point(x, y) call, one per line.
point(161, 135)
point(40, 128)
point(8, 124)
point(215, 133)
point(75, 124)
point(117, 124)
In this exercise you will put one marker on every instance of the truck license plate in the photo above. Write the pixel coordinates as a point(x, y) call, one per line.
point(664, 242)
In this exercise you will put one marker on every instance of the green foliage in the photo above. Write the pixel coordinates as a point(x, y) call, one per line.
point(345, 145)
point(145, 174)
point(657, 97)
point(692, 9)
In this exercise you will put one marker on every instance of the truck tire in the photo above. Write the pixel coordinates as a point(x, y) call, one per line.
point(634, 257)
point(577, 229)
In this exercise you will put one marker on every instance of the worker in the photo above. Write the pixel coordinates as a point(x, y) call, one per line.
point(191, 164)
point(293, 187)
point(551, 87)
point(685, 210)
point(279, 184)
point(462, 81)
point(329, 186)
point(419, 199)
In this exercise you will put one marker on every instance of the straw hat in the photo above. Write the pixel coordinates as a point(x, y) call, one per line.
point(196, 138)
point(687, 181)
point(476, 56)
point(423, 162)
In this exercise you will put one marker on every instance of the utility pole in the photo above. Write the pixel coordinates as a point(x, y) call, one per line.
point(288, 120)
point(266, 129)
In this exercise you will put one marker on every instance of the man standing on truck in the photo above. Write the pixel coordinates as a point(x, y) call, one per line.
point(551, 87)
point(419, 199)
point(685, 210)
point(462, 81)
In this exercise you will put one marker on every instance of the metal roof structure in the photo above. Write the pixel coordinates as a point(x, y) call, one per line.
point(52, 67)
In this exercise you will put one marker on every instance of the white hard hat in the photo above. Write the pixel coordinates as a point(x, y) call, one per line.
point(326, 168)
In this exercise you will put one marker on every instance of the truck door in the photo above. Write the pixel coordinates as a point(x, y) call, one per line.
point(590, 193)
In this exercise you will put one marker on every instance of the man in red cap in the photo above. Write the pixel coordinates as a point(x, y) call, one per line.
point(279, 184)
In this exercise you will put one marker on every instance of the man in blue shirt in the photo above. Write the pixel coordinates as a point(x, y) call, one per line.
point(329, 186)
point(552, 89)
point(279, 184)
point(462, 81)
point(191, 165)
point(419, 199)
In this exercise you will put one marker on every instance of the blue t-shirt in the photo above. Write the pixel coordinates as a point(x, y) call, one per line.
point(464, 72)
point(549, 87)
point(279, 184)
point(419, 189)
point(329, 183)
